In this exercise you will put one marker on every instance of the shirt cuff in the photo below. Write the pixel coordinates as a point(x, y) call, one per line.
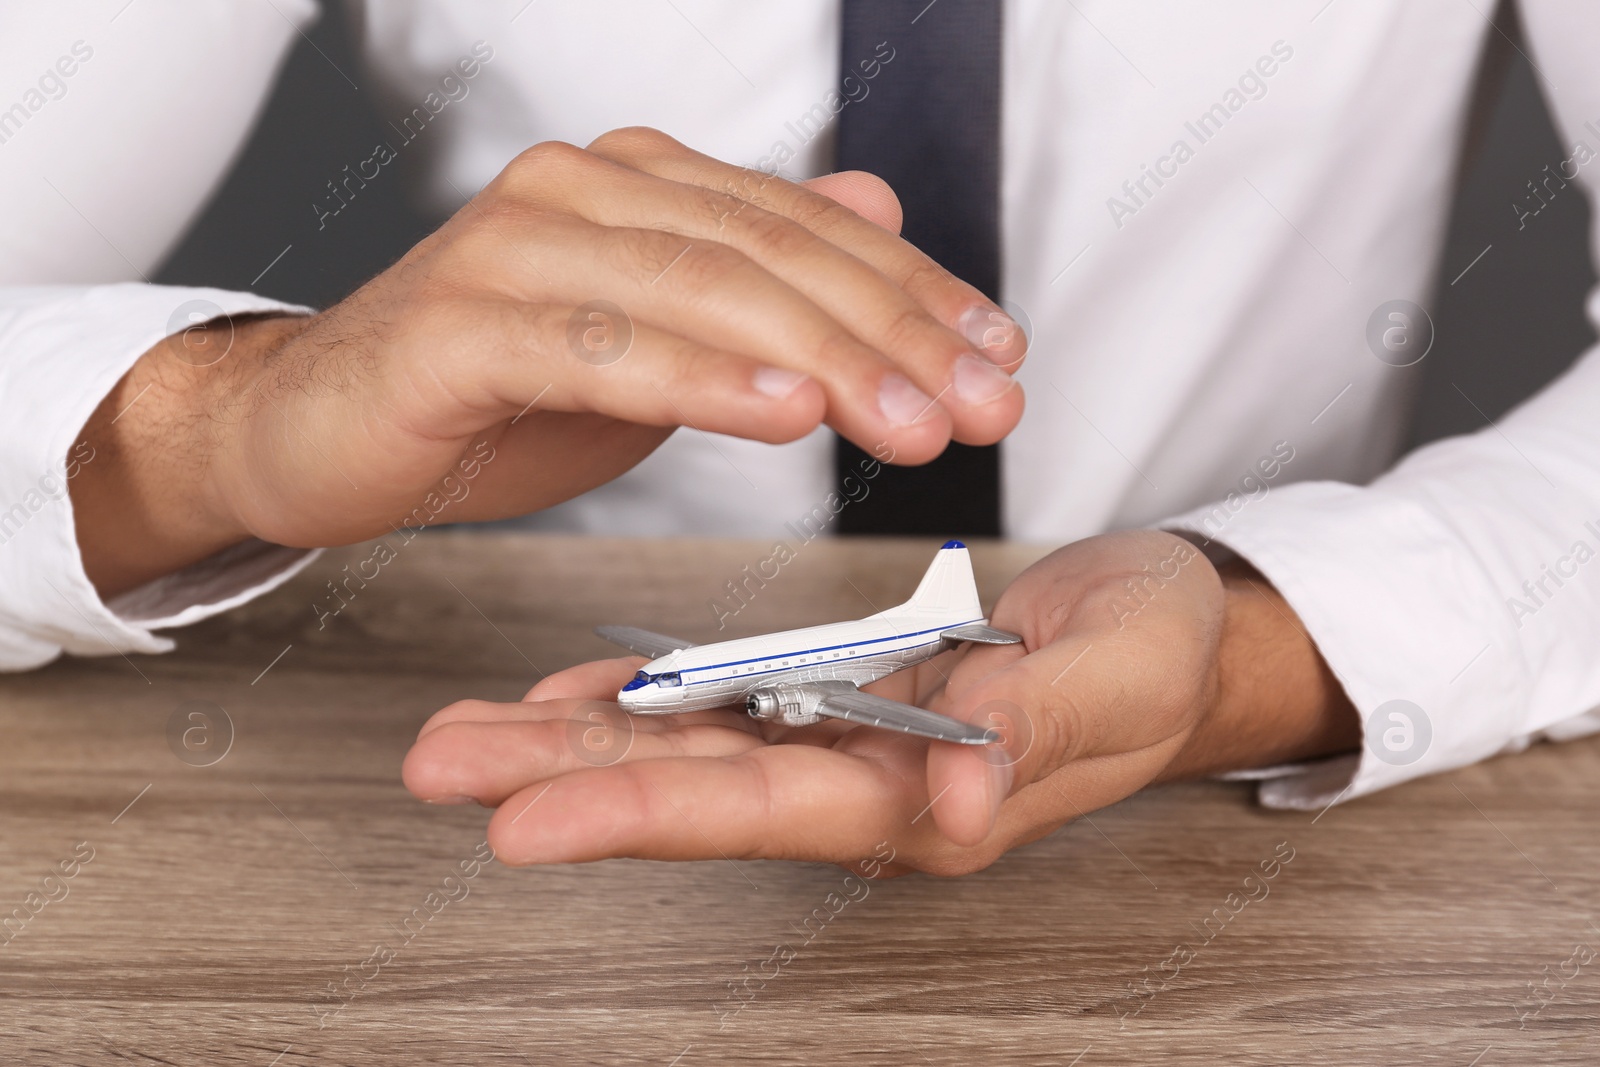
point(1406, 620)
point(62, 350)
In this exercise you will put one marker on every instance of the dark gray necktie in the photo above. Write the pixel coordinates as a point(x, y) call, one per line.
point(929, 125)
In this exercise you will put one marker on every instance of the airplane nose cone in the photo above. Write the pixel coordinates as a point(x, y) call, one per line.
point(639, 698)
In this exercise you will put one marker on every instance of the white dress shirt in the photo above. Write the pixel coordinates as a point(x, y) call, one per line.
point(1203, 206)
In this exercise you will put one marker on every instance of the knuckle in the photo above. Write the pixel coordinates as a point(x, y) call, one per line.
point(704, 266)
point(907, 331)
point(637, 251)
point(1062, 733)
point(632, 142)
point(925, 276)
point(685, 372)
point(750, 185)
point(545, 162)
point(772, 235)
point(724, 207)
point(819, 213)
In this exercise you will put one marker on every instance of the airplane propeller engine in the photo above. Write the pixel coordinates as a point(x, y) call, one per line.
point(792, 705)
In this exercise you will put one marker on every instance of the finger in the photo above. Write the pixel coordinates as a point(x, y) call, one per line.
point(596, 680)
point(571, 698)
point(1094, 692)
point(951, 300)
point(983, 399)
point(591, 449)
point(866, 194)
point(486, 711)
point(699, 289)
point(502, 358)
point(974, 785)
point(488, 761)
point(777, 801)
point(1078, 698)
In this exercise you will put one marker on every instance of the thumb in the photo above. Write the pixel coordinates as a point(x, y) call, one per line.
point(1039, 726)
point(866, 194)
point(971, 782)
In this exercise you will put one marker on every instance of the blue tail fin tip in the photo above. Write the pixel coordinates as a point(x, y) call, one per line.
point(951, 544)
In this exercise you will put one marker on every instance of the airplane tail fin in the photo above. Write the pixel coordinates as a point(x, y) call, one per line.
point(947, 590)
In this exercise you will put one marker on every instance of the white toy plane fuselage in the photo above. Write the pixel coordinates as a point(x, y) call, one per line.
point(792, 676)
point(714, 676)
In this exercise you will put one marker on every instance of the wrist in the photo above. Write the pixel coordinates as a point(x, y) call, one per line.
point(152, 502)
point(1275, 699)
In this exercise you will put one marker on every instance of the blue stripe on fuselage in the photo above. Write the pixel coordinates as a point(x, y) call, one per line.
point(809, 651)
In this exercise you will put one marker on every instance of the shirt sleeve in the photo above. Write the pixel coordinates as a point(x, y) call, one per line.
point(62, 350)
point(1457, 597)
point(119, 121)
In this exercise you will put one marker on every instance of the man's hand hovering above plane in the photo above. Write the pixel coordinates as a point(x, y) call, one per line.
point(576, 310)
point(1141, 663)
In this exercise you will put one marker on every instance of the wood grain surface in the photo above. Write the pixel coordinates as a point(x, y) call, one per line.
point(291, 904)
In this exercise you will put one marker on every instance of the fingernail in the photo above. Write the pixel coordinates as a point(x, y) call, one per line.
point(991, 332)
point(978, 381)
point(450, 800)
point(778, 382)
point(901, 402)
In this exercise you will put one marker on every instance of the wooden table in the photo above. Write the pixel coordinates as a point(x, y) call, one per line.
point(222, 903)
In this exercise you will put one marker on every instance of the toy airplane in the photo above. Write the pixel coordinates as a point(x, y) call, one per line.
point(799, 676)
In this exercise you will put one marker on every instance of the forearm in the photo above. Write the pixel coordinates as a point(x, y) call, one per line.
point(147, 506)
point(1276, 700)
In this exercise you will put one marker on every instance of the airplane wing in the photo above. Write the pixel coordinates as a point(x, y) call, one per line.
point(864, 708)
point(643, 642)
point(983, 635)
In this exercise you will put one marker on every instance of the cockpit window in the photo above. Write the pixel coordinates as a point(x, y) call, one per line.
point(666, 680)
